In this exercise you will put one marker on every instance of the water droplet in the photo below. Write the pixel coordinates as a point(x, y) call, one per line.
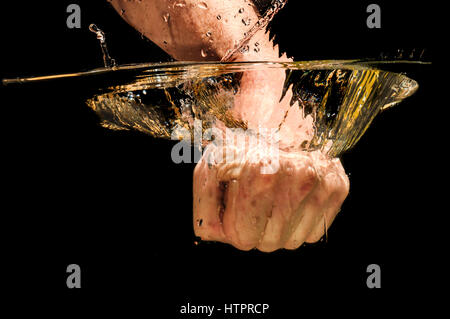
point(165, 42)
point(202, 5)
point(166, 17)
point(199, 222)
point(208, 34)
point(245, 49)
point(256, 50)
point(246, 21)
point(180, 4)
point(203, 53)
point(241, 10)
point(144, 92)
point(256, 44)
point(219, 17)
point(122, 12)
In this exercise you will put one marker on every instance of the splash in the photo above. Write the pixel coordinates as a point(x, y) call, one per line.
point(107, 60)
point(341, 98)
point(269, 9)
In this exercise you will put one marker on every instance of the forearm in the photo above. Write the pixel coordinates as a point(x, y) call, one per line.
point(194, 30)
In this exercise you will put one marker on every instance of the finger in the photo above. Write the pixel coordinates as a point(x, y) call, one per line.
point(207, 195)
point(340, 184)
point(310, 215)
point(328, 214)
point(295, 181)
point(249, 204)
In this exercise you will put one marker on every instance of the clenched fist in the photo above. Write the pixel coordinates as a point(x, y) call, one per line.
point(237, 203)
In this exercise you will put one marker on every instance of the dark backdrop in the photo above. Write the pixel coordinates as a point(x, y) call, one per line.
point(114, 203)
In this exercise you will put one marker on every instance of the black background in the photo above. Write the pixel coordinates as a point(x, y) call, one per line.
point(115, 203)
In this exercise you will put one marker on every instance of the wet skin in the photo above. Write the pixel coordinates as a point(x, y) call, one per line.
point(234, 202)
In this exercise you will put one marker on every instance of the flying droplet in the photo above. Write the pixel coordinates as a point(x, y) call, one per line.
point(202, 5)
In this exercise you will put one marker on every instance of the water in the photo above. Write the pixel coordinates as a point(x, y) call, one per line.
point(267, 10)
point(343, 97)
point(107, 60)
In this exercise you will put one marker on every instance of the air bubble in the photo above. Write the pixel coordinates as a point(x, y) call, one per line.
point(130, 96)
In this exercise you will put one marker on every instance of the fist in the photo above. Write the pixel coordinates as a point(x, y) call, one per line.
point(236, 203)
